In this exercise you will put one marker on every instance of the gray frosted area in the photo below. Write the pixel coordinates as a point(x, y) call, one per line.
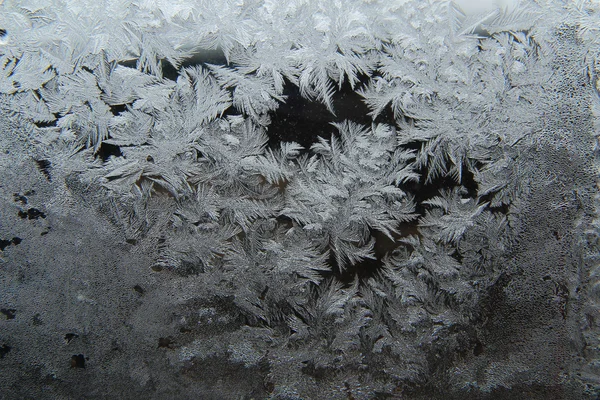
point(299, 200)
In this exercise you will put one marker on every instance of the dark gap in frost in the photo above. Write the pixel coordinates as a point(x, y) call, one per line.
point(9, 313)
point(299, 120)
point(139, 289)
point(214, 56)
point(165, 342)
point(106, 150)
point(46, 124)
point(457, 256)
point(469, 182)
point(129, 63)
point(202, 57)
point(502, 209)
point(169, 71)
point(303, 120)
point(423, 190)
point(349, 105)
point(385, 246)
point(386, 116)
point(370, 267)
point(4, 244)
point(3, 32)
point(363, 270)
point(32, 213)
point(44, 167)
point(117, 109)
point(19, 198)
point(4, 350)
point(478, 349)
point(70, 336)
point(231, 110)
point(78, 361)
point(56, 116)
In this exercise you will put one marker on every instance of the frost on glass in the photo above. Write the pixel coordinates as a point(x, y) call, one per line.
point(299, 199)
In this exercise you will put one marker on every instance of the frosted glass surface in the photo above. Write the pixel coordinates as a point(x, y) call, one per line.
point(299, 199)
